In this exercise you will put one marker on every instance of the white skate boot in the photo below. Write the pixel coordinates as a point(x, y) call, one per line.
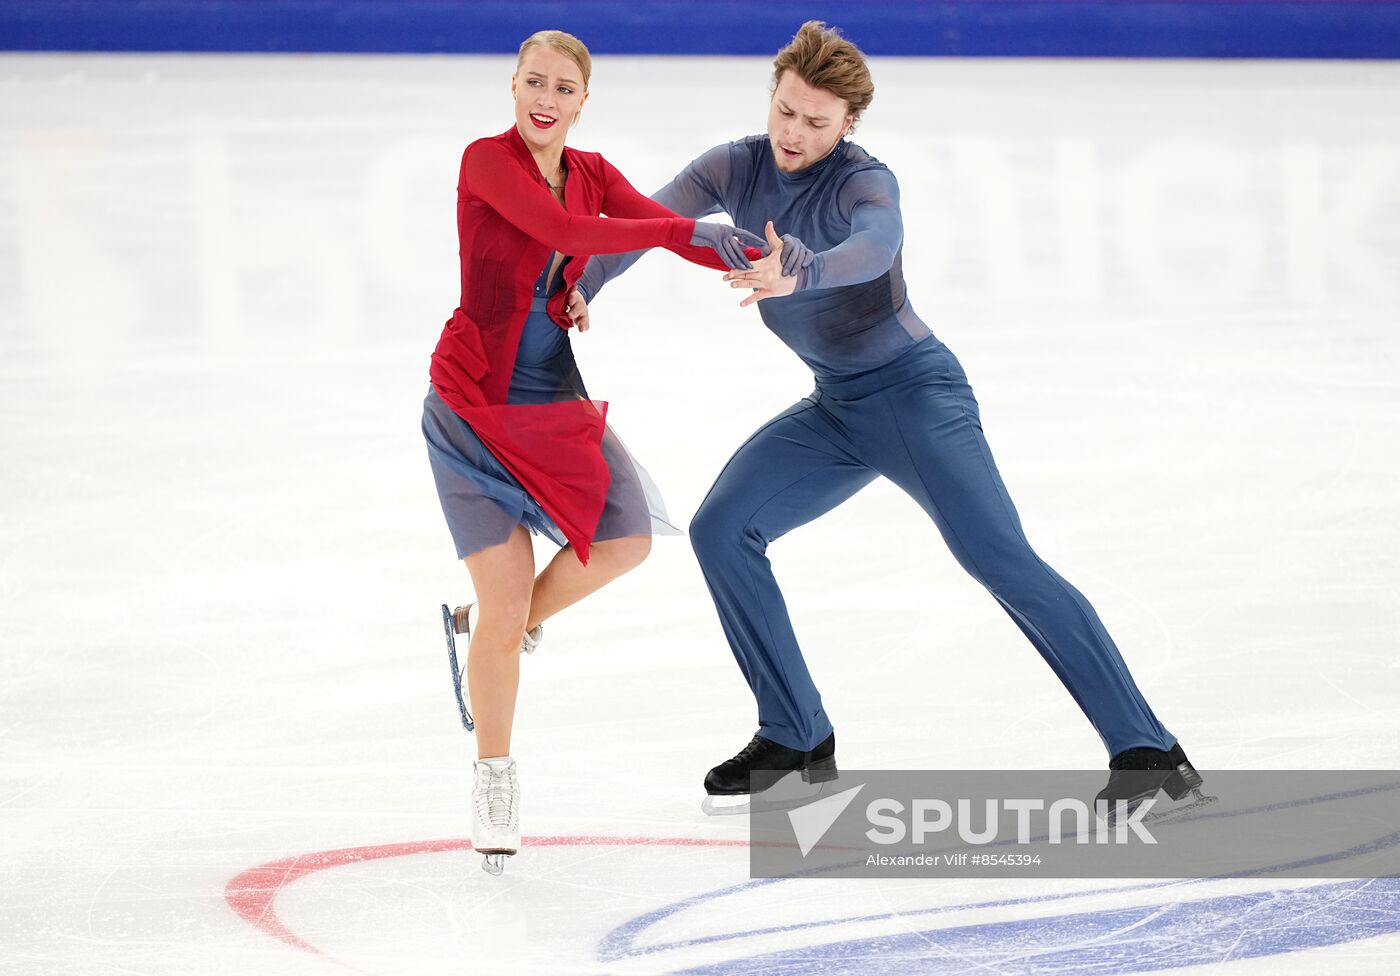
point(495, 812)
point(459, 621)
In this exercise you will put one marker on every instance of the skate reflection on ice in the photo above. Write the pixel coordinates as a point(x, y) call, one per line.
point(494, 925)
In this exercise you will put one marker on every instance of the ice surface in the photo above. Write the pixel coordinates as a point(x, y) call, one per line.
point(1174, 287)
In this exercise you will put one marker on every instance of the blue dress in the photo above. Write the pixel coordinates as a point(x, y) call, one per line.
point(481, 500)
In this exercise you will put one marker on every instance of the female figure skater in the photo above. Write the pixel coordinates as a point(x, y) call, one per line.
point(514, 441)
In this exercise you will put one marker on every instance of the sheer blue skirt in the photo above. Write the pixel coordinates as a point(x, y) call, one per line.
point(483, 502)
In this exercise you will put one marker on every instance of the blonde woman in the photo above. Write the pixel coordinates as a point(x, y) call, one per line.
point(515, 442)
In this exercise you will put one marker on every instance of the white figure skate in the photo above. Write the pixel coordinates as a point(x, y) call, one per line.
point(458, 621)
point(495, 812)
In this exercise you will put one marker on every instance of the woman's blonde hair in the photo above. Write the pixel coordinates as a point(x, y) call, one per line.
point(566, 44)
point(821, 57)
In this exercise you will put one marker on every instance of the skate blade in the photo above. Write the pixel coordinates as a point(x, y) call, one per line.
point(450, 630)
point(794, 790)
point(494, 863)
point(1177, 810)
point(1182, 809)
point(725, 805)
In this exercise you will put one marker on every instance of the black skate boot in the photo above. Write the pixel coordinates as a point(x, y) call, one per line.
point(1135, 776)
point(733, 777)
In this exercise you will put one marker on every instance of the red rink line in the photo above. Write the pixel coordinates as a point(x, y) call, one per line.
point(253, 894)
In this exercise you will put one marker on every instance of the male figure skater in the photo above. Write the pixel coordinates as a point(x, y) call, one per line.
point(890, 400)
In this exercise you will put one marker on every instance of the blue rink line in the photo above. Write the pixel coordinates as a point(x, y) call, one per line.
point(1115, 941)
point(1105, 942)
point(621, 942)
point(1140, 939)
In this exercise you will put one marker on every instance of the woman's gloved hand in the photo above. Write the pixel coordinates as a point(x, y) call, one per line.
point(728, 242)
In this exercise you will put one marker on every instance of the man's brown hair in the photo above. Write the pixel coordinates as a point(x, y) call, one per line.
point(821, 57)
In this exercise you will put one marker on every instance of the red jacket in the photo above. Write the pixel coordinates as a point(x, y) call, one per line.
point(507, 222)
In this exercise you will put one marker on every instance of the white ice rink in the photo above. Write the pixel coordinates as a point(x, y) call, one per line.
point(1175, 288)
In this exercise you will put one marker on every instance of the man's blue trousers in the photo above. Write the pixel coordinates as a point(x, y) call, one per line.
point(914, 421)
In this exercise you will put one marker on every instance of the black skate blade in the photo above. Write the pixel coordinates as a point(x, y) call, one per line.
point(1164, 809)
point(450, 630)
point(1181, 809)
point(791, 791)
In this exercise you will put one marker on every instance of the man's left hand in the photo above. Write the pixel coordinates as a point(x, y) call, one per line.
point(766, 277)
point(577, 310)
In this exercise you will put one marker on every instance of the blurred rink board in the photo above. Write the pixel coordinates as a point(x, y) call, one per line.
point(1001, 28)
point(222, 201)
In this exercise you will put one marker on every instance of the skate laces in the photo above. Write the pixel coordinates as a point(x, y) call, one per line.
point(755, 744)
point(497, 793)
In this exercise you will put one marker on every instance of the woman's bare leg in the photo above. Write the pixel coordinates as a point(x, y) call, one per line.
point(502, 576)
point(510, 600)
point(565, 581)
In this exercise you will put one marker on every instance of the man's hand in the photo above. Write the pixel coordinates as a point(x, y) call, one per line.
point(577, 310)
point(766, 277)
point(728, 242)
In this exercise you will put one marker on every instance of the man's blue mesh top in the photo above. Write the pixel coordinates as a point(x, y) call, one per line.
point(849, 312)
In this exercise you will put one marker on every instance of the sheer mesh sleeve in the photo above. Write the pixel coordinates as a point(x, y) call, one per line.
point(621, 199)
point(695, 192)
point(870, 200)
point(491, 174)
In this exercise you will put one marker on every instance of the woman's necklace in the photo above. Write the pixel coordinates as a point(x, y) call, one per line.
point(562, 174)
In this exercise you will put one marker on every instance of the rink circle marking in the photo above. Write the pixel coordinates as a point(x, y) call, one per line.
point(253, 893)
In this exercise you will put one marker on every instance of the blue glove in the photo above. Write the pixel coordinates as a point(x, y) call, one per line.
point(796, 256)
point(728, 242)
